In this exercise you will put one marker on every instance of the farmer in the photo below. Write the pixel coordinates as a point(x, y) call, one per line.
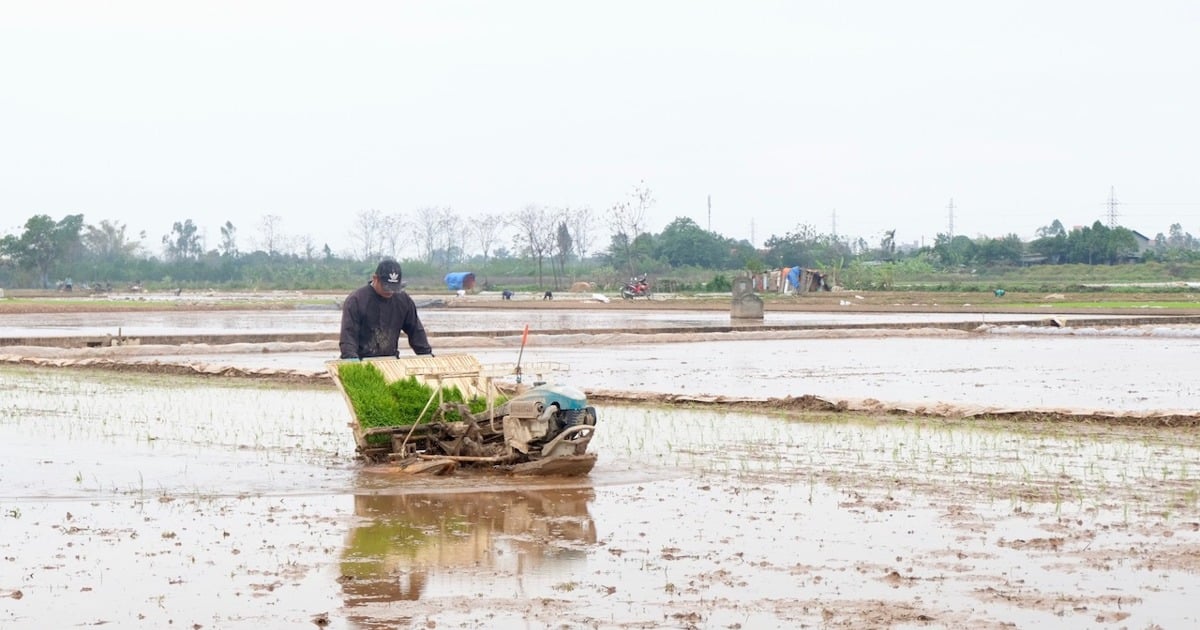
point(373, 317)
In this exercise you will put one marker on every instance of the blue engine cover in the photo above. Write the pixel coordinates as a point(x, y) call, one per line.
point(564, 396)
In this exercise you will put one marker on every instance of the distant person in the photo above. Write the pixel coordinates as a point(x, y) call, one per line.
point(373, 317)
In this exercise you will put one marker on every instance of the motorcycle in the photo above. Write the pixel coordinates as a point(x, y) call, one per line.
point(635, 288)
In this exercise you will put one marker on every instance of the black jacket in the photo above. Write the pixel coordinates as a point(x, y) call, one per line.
point(371, 325)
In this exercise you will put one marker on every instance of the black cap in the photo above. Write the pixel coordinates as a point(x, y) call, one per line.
point(389, 275)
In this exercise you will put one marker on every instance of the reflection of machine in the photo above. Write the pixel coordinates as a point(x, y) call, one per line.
point(401, 543)
point(543, 429)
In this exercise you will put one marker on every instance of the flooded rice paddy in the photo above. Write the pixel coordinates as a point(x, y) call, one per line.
point(327, 318)
point(152, 500)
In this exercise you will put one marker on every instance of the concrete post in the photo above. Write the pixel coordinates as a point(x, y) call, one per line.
point(746, 305)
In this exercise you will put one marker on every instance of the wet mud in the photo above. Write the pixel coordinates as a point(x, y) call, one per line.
point(736, 487)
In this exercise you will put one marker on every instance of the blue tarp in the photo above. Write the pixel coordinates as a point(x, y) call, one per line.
point(794, 277)
point(460, 280)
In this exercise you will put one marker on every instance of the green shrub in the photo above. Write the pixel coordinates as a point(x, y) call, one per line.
point(719, 283)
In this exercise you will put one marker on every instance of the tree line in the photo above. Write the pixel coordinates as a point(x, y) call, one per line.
point(551, 246)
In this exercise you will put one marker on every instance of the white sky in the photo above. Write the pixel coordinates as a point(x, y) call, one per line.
point(153, 112)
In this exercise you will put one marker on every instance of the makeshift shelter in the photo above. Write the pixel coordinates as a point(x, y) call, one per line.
point(803, 280)
point(460, 281)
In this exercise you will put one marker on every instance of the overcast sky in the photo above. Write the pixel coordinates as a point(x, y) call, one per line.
point(869, 116)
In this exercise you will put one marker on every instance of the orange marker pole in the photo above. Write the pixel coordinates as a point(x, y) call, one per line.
point(524, 338)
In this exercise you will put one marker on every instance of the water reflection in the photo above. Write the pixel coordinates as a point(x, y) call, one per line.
point(497, 540)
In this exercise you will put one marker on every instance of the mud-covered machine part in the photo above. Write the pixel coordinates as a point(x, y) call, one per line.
point(543, 429)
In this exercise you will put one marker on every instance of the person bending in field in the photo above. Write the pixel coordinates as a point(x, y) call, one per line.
point(373, 317)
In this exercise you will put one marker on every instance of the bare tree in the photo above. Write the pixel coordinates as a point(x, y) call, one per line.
point(271, 230)
point(535, 234)
point(450, 239)
point(464, 237)
point(395, 227)
point(308, 247)
point(627, 219)
point(368, 233)
point(486, 229)
point(581, 221)
point(427, 225)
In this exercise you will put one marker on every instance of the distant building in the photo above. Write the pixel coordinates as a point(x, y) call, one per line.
point(1143, 243)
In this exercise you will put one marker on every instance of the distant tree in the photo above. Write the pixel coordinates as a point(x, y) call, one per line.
point(395, 233)
point(367, 232)
point(273, 240)
point(430, 224)
point(1178, 239)
point(1055, 229)
point(451, 238)
point(793, 248)
point(564, 244)
point(955, 251)
point(1006, 250)
point(1179, 246)
point(1122, 244)
point(486, 229)
point(887, 246)
point(1083, 244)
point(643, 249)
point(684, 242)
point(308, 247)
point(183, 243)
point(1100, 244)
point(618, 250)
point(535, 235)
point(582, 221)
point(627, 218)
point(805, 247)
point(44, 244)
point(228, 246)
point(1051, 243)
point(108, 241)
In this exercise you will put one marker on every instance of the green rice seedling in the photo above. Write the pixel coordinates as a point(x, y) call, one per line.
point(404, 402)
point(411, 398)
point(374, 405)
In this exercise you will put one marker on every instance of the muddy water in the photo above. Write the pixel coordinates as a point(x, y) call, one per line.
point(153, 502)
point(1141, 371)
point(328, 320)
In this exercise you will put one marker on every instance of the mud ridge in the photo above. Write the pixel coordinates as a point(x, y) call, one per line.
point(172, 369)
